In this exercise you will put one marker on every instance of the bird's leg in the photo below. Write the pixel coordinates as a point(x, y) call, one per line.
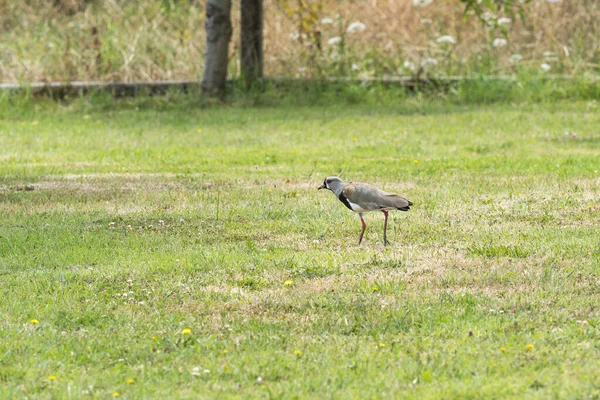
point(385, 241)
point(363, 228)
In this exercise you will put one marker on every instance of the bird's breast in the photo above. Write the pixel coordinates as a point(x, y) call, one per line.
point(344, 200)
point(356, 208)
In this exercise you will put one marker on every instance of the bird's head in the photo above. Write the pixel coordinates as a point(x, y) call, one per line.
point(332, 183)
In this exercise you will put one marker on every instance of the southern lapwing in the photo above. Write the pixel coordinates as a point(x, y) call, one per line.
point(362, 198)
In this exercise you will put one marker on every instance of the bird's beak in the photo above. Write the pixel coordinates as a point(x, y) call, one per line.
point(321, 187)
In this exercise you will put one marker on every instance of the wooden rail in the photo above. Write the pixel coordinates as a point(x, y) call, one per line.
point(122, 89)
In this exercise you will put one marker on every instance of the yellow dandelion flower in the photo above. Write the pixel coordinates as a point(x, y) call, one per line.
point(288, 283)
point(530, 347)
point(199, 130)
point(130, 381)
point(298, 352)
point(354, 139)
point(382, 345)
point(34, 321)
point(116, 394)
point(52, 377)
point(416, 161)
point(224, 351)
point(375, 289)
point(186, 331)
point(503, 349)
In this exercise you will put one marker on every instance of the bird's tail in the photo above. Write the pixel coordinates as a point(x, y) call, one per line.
point(406, 208)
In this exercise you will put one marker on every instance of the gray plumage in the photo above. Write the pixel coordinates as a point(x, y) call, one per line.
point(362, 197)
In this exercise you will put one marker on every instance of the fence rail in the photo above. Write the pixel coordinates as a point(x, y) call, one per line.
point(124, 89)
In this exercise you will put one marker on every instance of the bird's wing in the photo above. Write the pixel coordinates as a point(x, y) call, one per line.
point(371, 198)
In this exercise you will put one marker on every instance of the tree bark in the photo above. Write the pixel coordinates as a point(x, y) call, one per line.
point(218, 34)
point(252, 40)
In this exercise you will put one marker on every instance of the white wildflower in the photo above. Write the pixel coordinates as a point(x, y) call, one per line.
point(429, 61)
point(409, 65)
point(553, 1)
point(326, 21)
point(515, 58)
point(426, 21)
point(354, 67)
point(504, 21)
point(499, 42)
point(301, 69)
point(488, 16)
point(356, 27)
point(545, 67)
point(334, 40)
point(294, 36)
point(259, 379)
point(422, 3)
point(446, 39)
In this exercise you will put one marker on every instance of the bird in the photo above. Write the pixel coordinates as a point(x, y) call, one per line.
point(362, 198)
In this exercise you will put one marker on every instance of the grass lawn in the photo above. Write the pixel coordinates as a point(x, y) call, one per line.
point(184, 252)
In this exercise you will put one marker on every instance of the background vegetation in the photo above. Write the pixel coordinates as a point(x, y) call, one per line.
point(148, 40)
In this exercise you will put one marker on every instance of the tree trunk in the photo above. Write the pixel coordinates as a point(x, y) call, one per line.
point(252, 41)
point(218, 34)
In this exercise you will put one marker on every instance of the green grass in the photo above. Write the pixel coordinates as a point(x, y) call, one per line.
point(121, 225)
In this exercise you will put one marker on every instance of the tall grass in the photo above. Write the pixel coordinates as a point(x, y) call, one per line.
point(66, 40)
